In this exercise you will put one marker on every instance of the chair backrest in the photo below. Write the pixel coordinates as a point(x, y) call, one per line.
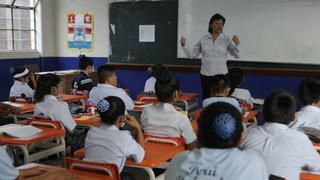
point(44, 122)
point(147, 98)
point(87, 167)
point(177, 141)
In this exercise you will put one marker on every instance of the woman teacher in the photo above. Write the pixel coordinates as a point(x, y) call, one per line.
point(214, 48)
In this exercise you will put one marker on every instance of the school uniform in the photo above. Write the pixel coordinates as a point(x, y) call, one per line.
point(216, 99)
point(104, 90)
point(149, 86)
point(243, 95)
point(55, 110)
point(207, 164)
point(7, 170)
point(162, 119)
point(308, 116)
point(18, 88)
point(285, 151)
point(107, 143)
point(82, 82)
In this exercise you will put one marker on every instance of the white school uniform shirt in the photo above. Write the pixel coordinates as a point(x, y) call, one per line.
point(19, 88)
point(104, 90)
point(214, 53)
point(308, 116)
point(210, 164)
point(162, 119)
point(243, 94)
point(150, 85)
point(7, 170)
point(285, 151)
point(108, 144)
point(228, 100)
point(55, 110)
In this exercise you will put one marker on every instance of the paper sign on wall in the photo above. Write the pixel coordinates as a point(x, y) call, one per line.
point(146, 33)
point(80, 31)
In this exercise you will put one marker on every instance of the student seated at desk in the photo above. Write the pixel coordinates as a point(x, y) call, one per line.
point(20, 87)
point(9, 172)
point(83, 81)
point(236, 77)
point(156, 72)
point(107, 86)
point(309, 96)
point(107, 143)
point(219, 92)
point(162, 119)
point(218, 155)
point(48, 104)
point(285, 151)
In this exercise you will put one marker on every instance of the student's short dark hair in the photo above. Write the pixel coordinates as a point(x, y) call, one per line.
point(235, 76)
point(309, 91)
point(208, 137)
point(44, 85)
point(104, 72)
point(279, 107)
point(84, 62)
point(116, 109)
point(165, 86)
point(215, 17)
point(157, 70)
point(219, 83)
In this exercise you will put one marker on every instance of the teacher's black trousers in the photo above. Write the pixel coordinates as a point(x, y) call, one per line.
point(205, 83)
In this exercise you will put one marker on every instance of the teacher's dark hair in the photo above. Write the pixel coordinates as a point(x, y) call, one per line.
point(216, 17)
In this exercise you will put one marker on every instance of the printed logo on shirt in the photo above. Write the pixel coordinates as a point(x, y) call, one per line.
point(85, 81)
point(196, 173)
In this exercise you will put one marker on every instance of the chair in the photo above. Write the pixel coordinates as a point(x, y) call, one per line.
point(92, 168)
point(177, 141)
point(147, 98)
point(44, 122)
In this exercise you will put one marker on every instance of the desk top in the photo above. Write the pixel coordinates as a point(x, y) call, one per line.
point(87, 119)
point(81, 175)
point(157, 153)
point(307, 176)
point(44, 134)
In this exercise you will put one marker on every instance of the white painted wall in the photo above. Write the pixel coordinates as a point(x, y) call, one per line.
point(99, 9)
point(46, 39)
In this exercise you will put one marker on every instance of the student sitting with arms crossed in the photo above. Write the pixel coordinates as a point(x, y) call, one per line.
point(107, 86)
point(20, 87)
point(309, 96)
point(162, 119)
point(219, 92)
point(107, 143)
point(285, 151)
point(156, 72)
point(83, 81)
point(218, 155)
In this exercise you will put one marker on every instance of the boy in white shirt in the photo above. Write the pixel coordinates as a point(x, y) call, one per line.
point(156, 72)
point(285, 151)
point(309, 114)
point(20, 87)
point(162, 119)
point(106, 143)
point(107, 86)
point(219, 92)
point(218, 156)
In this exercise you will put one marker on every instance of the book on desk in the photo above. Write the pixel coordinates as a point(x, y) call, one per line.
point(19, 130)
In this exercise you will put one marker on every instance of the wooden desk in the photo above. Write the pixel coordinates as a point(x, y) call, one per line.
point(24, 143)
point(81, 175)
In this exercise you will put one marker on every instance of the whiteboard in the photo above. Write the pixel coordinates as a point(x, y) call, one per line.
point(283, 31)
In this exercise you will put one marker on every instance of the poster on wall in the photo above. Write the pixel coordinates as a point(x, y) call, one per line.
point(80, 31)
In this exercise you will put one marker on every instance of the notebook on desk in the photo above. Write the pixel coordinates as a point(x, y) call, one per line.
point(12, 104)
point(19, 130)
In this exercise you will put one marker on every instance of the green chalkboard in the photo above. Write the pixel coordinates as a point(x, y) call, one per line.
point(124, 22)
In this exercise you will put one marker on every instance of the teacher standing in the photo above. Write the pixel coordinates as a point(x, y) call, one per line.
point(214, 48)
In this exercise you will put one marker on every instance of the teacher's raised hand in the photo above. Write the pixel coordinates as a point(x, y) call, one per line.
point(183, 41)
point(236, 39)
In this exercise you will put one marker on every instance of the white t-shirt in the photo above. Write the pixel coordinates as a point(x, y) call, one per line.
point(149, 87)
point(104, 90)
point(243, 94)
point(285, 151)
point(308, 116)
point(216, 164)
point(228, 100)
point(55, 110)
point(162, 119)
point(7, 170)
point(19, 88)
point(108, 144)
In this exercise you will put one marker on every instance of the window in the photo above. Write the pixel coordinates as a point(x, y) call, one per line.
point(17, 25)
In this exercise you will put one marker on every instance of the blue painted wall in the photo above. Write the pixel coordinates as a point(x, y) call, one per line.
point(260, 85)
